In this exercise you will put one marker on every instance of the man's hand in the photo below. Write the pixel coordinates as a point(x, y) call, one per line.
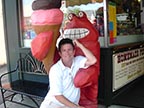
point(91, 59)
point(77, 43)
point(81, 107)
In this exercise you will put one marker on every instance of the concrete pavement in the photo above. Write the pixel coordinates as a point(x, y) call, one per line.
point(3, 69)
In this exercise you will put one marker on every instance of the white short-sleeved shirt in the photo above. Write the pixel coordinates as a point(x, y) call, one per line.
point(61, 81)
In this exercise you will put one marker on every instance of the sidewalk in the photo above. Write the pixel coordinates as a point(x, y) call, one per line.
point(18, 98)
point(12, 105)
point(3, 69)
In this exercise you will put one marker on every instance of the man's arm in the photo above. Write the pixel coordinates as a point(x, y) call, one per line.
point(66, 102)
point(91, 59)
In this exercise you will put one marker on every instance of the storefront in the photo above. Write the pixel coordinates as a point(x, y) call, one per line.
point(121, 29)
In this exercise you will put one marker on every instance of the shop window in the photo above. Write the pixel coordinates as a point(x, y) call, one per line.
point(128, 17)
point(28, 32)
point(93, 9)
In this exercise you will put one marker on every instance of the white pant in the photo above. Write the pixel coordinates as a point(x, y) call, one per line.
point(51, 105)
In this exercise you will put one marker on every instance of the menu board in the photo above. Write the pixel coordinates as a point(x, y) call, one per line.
point(127, 66)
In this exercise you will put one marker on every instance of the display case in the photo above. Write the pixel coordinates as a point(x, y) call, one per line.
point(123, 38)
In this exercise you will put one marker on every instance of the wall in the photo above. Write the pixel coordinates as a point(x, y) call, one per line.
point(2, 41)
point(142, 14)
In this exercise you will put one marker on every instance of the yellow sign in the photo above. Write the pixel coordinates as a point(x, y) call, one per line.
point(112, 20)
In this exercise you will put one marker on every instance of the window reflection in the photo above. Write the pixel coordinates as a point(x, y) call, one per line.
point(128, 13)
point(93, 9)
point(28, 32)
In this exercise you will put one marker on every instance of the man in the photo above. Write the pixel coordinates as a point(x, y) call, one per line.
point(62, 91)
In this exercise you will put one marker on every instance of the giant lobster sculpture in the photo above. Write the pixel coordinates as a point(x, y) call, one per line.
point(79, 27)
point(46, 21)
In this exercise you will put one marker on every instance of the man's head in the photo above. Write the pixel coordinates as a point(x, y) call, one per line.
point(66, 51)
point(65, 41)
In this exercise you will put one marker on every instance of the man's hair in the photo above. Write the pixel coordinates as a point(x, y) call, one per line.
point(65, 41)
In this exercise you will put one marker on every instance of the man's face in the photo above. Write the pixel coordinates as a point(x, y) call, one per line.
point(67, 53)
